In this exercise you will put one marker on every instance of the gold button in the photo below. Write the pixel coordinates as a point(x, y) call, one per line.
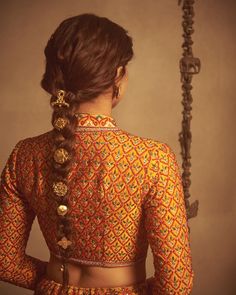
point(61, 155)
point(60, 123)
point(64, 243)
point(60, 188)
point(62, 210)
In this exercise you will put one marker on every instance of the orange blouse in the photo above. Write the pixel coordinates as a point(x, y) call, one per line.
point(125, 193)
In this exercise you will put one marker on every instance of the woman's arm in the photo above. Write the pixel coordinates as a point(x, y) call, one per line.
point(16, 218)
point(166, 225)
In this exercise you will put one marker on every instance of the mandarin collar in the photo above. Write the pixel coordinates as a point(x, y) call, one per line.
point(95, 120)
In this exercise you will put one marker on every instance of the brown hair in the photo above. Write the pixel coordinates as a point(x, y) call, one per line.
point(82, 57)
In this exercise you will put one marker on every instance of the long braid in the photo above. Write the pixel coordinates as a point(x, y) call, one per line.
point(82, 57)
point(64, 122)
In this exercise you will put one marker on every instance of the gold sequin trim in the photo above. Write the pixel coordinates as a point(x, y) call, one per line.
point(60, 188)
point(61, 155)
point(62, 210)
point(64, 243)
point(60, 123)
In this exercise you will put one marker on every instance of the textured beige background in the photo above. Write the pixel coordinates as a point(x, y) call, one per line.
point(151, 107)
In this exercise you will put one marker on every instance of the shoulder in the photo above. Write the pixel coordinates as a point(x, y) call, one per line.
point(28, 146)
point(25, 150)
point(156, 154)
point(37, 139)
point(154, 146)
point(158, 157)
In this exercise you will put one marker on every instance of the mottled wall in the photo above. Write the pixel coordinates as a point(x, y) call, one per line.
point(150, 108)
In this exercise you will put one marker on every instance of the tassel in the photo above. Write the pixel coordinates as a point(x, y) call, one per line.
point(65, 274)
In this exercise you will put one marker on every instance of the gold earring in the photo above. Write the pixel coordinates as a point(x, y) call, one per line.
point(60, 99)
point(117, 93)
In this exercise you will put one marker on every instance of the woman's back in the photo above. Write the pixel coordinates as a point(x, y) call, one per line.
point(101, 194)
point(109, 181)
point(125, 192)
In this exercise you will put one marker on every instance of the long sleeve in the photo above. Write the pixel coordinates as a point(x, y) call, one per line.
point(16, 218)
point(166, 226)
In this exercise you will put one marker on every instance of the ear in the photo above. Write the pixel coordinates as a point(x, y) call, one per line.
point(118, 71)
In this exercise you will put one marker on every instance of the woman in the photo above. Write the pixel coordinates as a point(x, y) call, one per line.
point(100, 194)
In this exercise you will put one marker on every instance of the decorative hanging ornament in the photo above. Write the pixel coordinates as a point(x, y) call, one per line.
point(189, 66)
point(62, 267)
point(61, 155)
point(60, 99)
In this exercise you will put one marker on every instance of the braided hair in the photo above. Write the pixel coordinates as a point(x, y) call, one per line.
point(82, 57)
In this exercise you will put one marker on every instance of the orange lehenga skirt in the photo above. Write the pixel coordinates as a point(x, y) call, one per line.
point(47, 286)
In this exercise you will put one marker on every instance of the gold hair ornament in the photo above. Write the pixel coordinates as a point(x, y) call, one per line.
point(60, 99)
point(64, 242)
point(61, 155)
point(62, 210)
point(60, 188)
point(60, 123)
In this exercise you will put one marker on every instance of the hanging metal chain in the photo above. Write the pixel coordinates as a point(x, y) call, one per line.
point(189, 66)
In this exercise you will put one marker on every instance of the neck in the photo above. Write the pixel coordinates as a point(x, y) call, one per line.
point(99, 105)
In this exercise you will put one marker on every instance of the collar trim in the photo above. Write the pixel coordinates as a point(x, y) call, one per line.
point(94, 121)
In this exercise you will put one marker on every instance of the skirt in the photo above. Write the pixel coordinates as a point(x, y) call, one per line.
point(47, 286)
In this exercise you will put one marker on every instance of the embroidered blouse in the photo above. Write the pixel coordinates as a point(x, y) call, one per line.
point(125, 194)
